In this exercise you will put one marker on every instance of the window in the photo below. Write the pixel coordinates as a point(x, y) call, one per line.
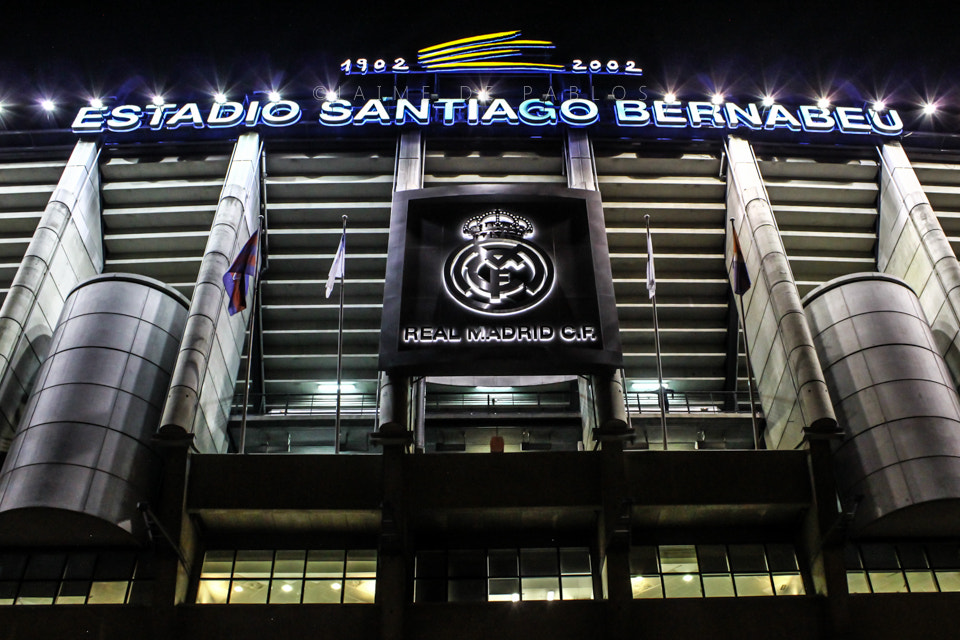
point(288, 576)
point(714, 571)
point(511, 575)
point(90, 577)
point(903, 567)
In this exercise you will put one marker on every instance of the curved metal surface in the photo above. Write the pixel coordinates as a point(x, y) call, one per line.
point(899, 461)
point(82, 457)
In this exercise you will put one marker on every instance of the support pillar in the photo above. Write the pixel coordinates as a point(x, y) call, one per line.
point(203, 380)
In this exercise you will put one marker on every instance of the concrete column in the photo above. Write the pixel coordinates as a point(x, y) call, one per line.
point(789, 377)
point(203, 381)
point(579, 161)
point(66, 249)
point(913, 247)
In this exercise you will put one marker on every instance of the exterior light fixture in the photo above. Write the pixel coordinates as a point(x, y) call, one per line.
point(330, 96)
point(879, 105)
point(717, 98)
point(158, 100)
point(219, 98)
point(483, 95)
point(823, 103)
point(929, 108)
point(47, 104)
point(767, 101)
point(96, 103)
point(670, 96)
point(274, 96)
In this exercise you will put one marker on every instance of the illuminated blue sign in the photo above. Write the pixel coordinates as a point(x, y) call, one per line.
point(470, 112)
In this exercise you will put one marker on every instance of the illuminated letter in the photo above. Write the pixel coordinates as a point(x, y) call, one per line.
point(420, 116)
point(156, 121)
point(125, 118)
point(736, 116)
point(579, 112)
point(893, 127)
point(668, 114)
point(449, 106)
point(253, 113)
point(538, 113)
point(473, 111)
point(632, 113)
point(335, 113)
point(225, 114)
point(88, 119)
point(852, 120)
point(373, 111)
point(780, 118)
point(700, 110)
point(499, 111)
point(282, 113)
point(188, 113)
point(816, 119)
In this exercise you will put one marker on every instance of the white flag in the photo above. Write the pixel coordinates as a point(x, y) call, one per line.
point(651, 276)
point(336, 269)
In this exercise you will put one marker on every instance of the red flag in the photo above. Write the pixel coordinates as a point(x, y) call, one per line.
point(235, 280)
point(741, 278)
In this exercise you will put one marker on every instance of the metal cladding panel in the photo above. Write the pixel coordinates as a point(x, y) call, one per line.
point(899, 461)
point(82, 456)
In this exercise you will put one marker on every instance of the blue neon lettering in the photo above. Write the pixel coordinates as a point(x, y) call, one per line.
point(281, 114)
point(705, 113)
point(579, 112)
point(749, 117)
point(668, 114)
point(779, 118)
point(335, 113)
point(893, 125)
point(187, 114)
point(125, 118)
point(499, 111)
point(88, 119)
point(538, 113)
point(405, 108)
point(225, 114)
point(632, 113)
point(373, 111)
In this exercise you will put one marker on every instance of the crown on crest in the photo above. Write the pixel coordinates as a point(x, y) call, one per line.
point(498, 224)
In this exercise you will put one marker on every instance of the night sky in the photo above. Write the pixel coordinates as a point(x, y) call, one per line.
point(852, 50)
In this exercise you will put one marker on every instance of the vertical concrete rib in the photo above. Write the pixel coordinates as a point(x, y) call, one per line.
point(607, 389)
point(66, 249)
point(785, 365)
point(203, 380)
point(912, 246)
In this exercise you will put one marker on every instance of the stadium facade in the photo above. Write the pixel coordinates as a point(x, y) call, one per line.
point(509, 422)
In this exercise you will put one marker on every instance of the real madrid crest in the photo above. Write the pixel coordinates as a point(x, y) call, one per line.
point(498, 272)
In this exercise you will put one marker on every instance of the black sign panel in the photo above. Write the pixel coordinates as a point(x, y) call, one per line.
point(493, 280)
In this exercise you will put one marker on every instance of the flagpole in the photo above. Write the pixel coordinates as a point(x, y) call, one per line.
point(343, 277)
point(253, 325)
point(746, 348)
point(651, 287)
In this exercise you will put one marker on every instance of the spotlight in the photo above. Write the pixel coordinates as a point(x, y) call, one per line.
point(483, 95)
point(219, 98)
point(96, 103)
point(47, 105)
point(767, 101)
point(330, 96)
point(274, 96)
point(158, 100)
point(879, 105)
point(670, 96)
point(929, 108)
point(823, 103)
point(717, 98)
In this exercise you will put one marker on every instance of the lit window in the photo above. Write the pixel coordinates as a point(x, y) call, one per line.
point(504, 575)
point(901, 568)
point(288, 576)
point(74, 578)
point(714, 571)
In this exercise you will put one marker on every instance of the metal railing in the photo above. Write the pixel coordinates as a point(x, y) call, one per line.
point(497, 400)
point(308, 404)
point(693, 402)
